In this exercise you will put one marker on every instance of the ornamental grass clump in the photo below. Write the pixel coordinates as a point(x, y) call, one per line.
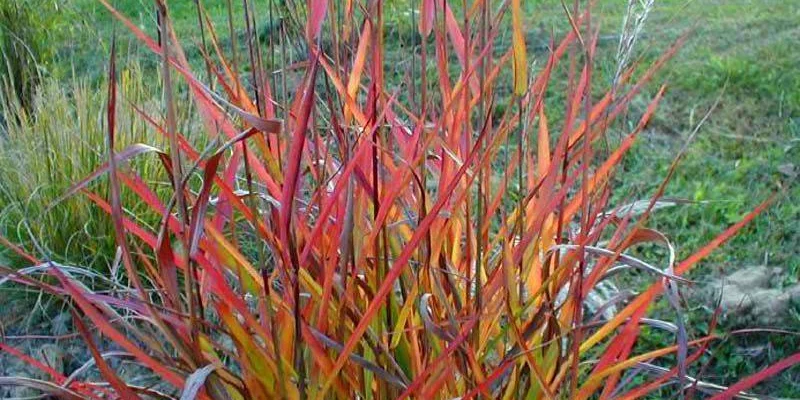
point(350, 233)
point(58, 141)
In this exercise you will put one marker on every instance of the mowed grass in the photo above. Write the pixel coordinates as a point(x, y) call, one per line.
point(740, 55)
point(88, 27)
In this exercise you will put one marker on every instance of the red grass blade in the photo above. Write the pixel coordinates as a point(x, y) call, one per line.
point(120, 387)
point(317, 10)
point(754, 379)
point(426, 17)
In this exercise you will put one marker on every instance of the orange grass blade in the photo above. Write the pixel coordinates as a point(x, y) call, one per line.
point(520, 52)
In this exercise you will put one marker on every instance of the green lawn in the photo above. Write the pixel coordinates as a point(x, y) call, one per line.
point(740, 52)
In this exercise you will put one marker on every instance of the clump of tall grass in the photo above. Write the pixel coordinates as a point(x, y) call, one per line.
point(54, 142)
point(24, 50)
point(423, 244)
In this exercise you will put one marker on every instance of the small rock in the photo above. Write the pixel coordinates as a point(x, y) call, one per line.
point(788, 169)
point(751, 277)
point(770, 306)
point(734, 300)
point(752, 295)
